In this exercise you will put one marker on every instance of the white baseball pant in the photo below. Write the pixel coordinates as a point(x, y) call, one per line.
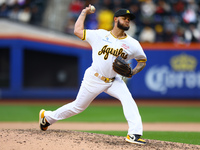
point(91, 87)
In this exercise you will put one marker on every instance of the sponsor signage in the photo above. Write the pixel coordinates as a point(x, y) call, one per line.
point(174, 74)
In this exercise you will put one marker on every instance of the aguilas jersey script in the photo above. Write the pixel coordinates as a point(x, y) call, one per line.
point(106, 47)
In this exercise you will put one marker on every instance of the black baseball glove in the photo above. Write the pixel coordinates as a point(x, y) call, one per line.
point(122, 67)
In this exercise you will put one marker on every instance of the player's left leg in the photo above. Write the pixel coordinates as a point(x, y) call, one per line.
point(84, 98)
point(120, 91)
point(90, 88)
point(82, 101)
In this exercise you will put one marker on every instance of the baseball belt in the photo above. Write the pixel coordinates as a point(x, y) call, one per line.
point(106, 80)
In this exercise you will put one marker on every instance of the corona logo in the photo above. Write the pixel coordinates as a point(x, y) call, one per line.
point(183, 62)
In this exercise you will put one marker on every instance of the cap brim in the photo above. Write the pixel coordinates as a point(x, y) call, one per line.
point(132, 16)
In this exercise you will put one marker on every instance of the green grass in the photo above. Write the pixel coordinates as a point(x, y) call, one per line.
point(103, 114)
point(170, 114)
point(180, 137)
point(29, 113)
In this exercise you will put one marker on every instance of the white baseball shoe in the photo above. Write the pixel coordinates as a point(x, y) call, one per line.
point(135, 139)
point(42, 121)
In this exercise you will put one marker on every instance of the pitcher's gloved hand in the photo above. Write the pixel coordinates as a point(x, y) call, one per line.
point(122, 67)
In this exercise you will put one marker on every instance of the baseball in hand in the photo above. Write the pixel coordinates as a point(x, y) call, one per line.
point(92, 9)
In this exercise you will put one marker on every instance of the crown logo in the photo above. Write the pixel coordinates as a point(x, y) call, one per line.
point(183, 62)
point(128, 12)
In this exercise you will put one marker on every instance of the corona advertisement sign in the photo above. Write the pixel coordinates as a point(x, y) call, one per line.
point(180, 74)
point(169, 74)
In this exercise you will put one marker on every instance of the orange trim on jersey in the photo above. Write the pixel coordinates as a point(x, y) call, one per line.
point(84, 35)
point(116, 37)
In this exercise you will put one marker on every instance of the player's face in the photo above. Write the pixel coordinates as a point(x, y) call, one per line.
point(124, 22)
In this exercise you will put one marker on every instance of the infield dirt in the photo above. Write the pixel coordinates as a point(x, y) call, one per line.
point(23, 136)
point(32, 139)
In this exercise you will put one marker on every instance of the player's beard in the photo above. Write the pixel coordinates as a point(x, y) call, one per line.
point(120, 26)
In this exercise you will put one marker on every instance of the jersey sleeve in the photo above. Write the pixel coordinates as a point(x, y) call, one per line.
point(139, 54)
point(91, 36)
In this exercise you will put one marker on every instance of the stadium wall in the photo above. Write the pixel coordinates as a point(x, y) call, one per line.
point(42, 69)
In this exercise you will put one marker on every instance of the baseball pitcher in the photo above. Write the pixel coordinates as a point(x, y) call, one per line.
point(110, 52)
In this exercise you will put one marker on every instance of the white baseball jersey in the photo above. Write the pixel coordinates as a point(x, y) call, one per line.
point(106, 47)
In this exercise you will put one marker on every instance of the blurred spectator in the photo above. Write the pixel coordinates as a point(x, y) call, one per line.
point(105, 19)
point(117, 5)
point(162, 8)
point(170, 26)
point(160, 20)
point(147, 35)
point(126, 4)
point(107, 4)
point(14, 13)
point(75, 8)
point(25, 15)
point(178, 7)
point(21, 2)
point(159, 33)
point(192, 34)
point(170, 23)
point(156, 20)
point(192, 5)
point(136, 10)
point(148, 9)
point(179, 35)
point(4, 11)
point(169, 36)
point(189, 16)
point(27, 11)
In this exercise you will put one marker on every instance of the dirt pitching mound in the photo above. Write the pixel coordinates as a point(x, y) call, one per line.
point(32, 139)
